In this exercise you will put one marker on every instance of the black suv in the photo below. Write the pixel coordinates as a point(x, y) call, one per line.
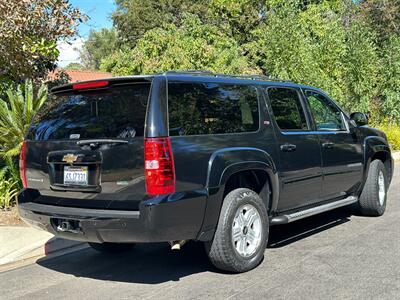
point(198, 156)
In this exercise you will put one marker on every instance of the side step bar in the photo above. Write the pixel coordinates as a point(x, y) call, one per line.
point(287, 218)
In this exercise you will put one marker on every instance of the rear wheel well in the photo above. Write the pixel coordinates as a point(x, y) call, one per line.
point(256, 180)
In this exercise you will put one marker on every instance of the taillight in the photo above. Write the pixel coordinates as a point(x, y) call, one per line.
point(22, 164)
point(159, 166)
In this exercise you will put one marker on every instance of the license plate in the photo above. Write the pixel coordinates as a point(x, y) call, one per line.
point(75, 175)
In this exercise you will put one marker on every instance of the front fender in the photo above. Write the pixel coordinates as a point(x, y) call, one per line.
point(373, 145)
point(224, 163)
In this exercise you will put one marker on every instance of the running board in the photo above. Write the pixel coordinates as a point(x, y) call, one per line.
point(283, 219)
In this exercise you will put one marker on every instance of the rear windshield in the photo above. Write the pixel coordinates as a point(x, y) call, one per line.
point(117, 112)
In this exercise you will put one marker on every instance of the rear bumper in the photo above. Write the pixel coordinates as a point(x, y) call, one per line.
point(166, 218)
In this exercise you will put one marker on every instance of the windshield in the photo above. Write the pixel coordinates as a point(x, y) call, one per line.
point(117, 112)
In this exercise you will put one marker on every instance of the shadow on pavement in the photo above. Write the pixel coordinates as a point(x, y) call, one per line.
point(284, 235)
point(156, 263)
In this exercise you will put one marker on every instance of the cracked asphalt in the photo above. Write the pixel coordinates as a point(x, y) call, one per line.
point(334, 255)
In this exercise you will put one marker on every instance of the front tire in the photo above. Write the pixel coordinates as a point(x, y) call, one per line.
point(242, 232)
point(372, 201)
point(111, 247)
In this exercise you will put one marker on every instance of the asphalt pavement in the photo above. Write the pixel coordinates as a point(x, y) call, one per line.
point(334, 255)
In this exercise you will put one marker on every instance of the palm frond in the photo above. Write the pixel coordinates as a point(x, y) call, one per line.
point(16, 114)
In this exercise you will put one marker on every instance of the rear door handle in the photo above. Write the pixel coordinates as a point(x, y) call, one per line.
point(328, 145)
point(288, 147)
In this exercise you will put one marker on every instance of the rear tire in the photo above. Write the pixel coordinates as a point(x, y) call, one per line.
point(372, 201)
point(111, 247)
point(242, 232)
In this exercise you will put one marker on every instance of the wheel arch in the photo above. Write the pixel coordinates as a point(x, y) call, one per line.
point(376, 147)
point(225, 166)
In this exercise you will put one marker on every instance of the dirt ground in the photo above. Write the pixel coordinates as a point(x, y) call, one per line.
point(9, 217)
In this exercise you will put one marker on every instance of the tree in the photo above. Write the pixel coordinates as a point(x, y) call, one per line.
point(348, 48)
point(133, 18)
point(382, 16)
point(362, 76)
point(98, 45)
point(29, 31)
point(391, 83)
point(301, 44)
point(242, 16)
point(194, 45)
point(74, 66)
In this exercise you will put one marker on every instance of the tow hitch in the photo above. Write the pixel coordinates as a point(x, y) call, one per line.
point(62, 225)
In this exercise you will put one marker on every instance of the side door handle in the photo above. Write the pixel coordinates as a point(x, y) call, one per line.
point(288, 147)
point(328, 145)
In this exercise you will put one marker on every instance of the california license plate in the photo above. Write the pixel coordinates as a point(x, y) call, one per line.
point(74, 175)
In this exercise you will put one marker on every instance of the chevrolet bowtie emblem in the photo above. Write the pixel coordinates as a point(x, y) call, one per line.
point(70, 158)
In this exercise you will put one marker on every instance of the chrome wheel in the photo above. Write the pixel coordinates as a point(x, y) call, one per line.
point(382, 188)
point(246, 230)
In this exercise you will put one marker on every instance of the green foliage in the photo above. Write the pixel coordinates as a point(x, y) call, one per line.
point(29, 31)
point(383, 17)
point(241, 16)
point(8, 192)
point(393, 134)
point(362, 68)
point(391, 83)
point(98, 45)
point(194, 45)
point(133, 18)
point(9, 183)
point(74, 66)
point(16, 112)
point(350, 49)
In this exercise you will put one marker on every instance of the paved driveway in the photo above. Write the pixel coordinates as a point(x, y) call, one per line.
point(334, 255)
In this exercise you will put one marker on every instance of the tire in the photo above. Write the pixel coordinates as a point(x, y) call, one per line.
point(111, 247)
point(240, 207)
point(372, 201)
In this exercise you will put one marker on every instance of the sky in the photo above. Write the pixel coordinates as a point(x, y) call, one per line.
point(99, 12)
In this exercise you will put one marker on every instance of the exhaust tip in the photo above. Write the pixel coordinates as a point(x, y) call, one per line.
point(177, 245)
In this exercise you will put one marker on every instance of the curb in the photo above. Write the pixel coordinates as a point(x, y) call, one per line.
point(53, 248)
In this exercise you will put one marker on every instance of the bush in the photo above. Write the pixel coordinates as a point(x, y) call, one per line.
point(18, 106)
point(17, 110)
point(8, 192)
point(10, 183)
point(393, 134)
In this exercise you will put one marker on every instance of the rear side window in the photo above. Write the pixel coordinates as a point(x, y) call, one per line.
point(117, 112)
point(211, 108)
point(287, 109)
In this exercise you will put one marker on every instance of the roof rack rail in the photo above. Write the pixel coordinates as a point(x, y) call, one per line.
point(199, 72)
point(206, 72)
point(254, 77)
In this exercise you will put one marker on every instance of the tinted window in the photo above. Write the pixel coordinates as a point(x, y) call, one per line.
point(112, 113)
point(326, 115)
point(287, 109)
point(209, 108)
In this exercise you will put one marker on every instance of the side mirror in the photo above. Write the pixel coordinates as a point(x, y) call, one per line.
point(359, 118)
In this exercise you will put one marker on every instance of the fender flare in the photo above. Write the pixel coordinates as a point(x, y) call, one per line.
point(223, 164)
point(373, 145)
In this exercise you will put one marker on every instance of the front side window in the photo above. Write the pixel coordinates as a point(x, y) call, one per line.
point(287, 109)
point(211, 108)
point(326, 115)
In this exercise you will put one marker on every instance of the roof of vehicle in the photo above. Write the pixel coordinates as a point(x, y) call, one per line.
point(194, 75)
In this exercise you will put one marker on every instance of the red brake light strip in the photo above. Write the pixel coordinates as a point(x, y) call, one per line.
point(89, 85)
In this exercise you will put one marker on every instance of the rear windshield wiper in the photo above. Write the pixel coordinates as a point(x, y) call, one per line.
point(97, 142)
